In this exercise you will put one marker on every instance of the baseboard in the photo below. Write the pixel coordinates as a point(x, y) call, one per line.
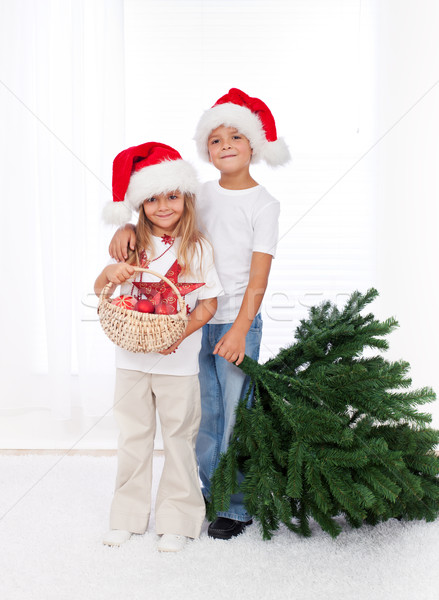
point(60, 452)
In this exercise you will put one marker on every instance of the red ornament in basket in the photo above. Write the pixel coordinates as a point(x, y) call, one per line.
point(125, 301)
point(162, 295)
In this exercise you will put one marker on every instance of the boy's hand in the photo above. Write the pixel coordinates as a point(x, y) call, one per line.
point(124, 237)
point(231, 347)
point(119, 273)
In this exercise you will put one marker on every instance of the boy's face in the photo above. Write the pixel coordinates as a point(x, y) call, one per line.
point(164, 212)
point(229, 150)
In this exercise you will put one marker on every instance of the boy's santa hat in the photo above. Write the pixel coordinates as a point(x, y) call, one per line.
point(252, 118)
point(141, 172)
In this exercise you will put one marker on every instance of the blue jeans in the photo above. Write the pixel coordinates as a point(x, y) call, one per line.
point(222, 385)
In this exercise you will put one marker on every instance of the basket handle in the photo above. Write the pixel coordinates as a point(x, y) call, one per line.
point(142, 270)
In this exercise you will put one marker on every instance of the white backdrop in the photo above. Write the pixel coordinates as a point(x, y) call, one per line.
point(352, 87)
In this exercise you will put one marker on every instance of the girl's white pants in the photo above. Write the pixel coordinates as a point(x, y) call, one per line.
point(179, 507)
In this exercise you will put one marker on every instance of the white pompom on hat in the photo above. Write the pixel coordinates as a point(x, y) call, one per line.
point(141, 172)
point(252, 118)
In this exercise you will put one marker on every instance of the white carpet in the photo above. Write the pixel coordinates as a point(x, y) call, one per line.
point(51, 549)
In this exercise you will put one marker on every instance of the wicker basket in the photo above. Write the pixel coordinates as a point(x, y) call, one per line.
point(141, 332)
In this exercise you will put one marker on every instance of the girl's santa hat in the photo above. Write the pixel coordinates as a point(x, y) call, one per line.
point(144, 171)
point(252, 118)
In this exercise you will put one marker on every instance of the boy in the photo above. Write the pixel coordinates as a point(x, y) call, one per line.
point(240, 218)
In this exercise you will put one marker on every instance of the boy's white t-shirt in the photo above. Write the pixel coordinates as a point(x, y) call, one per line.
point(237, 223)
point(185, 360)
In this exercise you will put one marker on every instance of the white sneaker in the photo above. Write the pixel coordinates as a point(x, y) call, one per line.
point(116, 537)
point(169, 542)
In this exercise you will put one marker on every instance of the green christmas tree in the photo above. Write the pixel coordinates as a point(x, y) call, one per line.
point(332, 432)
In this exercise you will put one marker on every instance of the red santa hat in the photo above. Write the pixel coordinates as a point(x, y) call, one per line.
point(252, 118)
point(141, 172)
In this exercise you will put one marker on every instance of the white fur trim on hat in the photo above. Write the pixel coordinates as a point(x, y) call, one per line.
point(162, 178)
point(276, 153)
point(247, 123)
point(116, 213)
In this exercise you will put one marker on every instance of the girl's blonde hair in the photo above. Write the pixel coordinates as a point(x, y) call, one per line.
point(186, 229)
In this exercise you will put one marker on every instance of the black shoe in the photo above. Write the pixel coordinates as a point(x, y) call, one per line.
point(224, 529)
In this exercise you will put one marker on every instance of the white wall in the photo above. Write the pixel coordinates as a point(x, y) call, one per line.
point(406, 179)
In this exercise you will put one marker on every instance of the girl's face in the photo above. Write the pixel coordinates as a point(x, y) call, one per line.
point(164, 212)
point(229, 150)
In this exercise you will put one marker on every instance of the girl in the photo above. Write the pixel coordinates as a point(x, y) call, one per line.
point(153, 180)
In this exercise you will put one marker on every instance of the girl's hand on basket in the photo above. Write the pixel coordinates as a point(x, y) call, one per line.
point(172, 348)
point(119, 273)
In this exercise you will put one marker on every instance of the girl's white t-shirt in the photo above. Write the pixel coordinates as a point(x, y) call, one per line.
point(185, 360)
point(237, 223)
